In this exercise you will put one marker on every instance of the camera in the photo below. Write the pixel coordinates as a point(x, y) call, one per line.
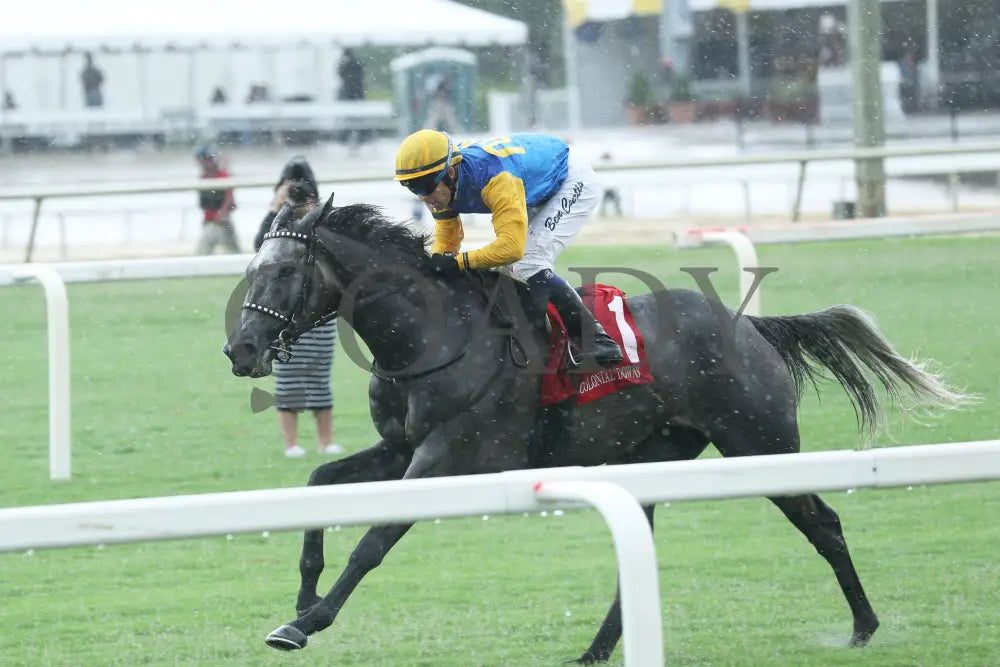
point(302, 182)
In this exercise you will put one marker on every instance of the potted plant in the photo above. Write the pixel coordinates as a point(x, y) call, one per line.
point(683, 107)
point(639, 98)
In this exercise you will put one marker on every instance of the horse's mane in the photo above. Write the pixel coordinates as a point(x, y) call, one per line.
point(368, 224)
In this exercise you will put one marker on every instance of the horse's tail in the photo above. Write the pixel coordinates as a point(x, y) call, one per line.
point(847, 342)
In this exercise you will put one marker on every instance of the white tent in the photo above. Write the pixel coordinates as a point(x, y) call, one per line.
point(48, 26)
point(173, 53)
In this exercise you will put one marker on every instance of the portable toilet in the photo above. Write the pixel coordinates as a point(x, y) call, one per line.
point(435, 88)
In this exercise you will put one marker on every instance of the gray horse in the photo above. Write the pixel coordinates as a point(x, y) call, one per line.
point(455, 385)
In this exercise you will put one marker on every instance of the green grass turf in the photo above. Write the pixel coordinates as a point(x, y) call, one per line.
point(157, 412)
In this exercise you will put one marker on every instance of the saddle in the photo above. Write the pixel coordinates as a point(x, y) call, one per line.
point(561, 382)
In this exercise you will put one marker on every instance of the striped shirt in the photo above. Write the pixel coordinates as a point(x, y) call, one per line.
point(303, 382)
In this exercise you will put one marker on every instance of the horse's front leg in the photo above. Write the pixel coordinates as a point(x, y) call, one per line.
point(378, 463)
point(429, 460)
point(365, 557)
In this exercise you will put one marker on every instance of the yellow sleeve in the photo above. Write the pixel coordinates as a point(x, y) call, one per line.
point(448, 232)
point(504, 195)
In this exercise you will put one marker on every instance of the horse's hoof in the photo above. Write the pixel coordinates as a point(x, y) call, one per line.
point(863, 635)
point(860, 639)
point(287, 638)
point(587, 658)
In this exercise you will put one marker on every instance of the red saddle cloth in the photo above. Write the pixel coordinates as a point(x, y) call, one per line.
point(608, 305)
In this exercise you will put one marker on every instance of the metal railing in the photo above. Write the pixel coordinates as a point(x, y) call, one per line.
point(801, 159)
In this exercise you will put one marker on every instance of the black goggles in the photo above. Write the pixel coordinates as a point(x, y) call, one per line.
point(423, 185)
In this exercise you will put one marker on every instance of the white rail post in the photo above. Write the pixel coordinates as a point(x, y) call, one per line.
point(746, 256)
point(638, 578)
point(58, 326)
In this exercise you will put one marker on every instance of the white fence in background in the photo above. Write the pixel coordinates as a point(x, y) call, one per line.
point(975, 157)
point(616, 491)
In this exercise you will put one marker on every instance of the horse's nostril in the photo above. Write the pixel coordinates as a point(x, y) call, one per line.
point(227, 350)
point(243, 354)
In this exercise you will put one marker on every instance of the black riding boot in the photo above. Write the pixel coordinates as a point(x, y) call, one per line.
point(578, 319)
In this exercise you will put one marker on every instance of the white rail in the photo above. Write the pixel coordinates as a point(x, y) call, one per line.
point(174, 517)
point(57, 307)
point(846, 230)
point(746, 258)
point(741, 239)
point(202, 515)
point(801, 158)
point(53, 278)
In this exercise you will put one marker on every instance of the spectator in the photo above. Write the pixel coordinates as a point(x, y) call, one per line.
point(352, 77)
point(303, 382)
point(8, 101)
point(832, 41)
point(216, 205)
point(258, 93)
point(440, 110)
point(92, 79)
point(909, 80)
point(219, 95)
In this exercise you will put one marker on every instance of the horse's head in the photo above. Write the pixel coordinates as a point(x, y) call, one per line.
point(288, 293)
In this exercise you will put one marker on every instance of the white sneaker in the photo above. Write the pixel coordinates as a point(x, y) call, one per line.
point(294, 452)
point(332, 449)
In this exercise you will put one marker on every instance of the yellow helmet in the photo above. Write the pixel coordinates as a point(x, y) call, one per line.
point(425, 152)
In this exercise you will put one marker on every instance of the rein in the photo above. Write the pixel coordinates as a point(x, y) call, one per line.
point(293, 330)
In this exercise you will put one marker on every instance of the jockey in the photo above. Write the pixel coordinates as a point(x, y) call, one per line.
point(540, 195)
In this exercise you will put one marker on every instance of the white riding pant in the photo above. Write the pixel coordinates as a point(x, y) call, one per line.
point(553, 225)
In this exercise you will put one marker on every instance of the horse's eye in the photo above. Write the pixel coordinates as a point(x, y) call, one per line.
point(286, 272)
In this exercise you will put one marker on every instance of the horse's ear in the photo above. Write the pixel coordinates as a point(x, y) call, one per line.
point(328, 206)
point(283, 218)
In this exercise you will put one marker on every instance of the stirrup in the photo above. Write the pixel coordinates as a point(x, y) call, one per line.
point(574, 362)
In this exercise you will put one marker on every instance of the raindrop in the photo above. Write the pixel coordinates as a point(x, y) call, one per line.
point(486, 517)
point(543, 513)
point(29, 552)
point(266, 533)
point(557, 513)
point(229, 537)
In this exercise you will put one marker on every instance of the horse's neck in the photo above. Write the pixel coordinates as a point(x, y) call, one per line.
point(396, 330)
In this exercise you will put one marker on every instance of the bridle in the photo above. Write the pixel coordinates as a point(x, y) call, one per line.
point(293, 326)
point(292, 329)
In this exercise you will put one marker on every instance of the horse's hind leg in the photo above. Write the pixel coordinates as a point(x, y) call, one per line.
point(380, 462)
point(821, 525)
point(611, 628)
point(676, 444)
point(741, 436)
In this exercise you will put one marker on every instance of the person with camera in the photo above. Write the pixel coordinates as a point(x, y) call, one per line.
point(303, 382)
